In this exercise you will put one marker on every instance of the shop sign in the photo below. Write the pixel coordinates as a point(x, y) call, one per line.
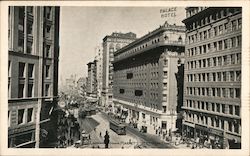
point(201, 127)
point(21, 129)
point(216, 132)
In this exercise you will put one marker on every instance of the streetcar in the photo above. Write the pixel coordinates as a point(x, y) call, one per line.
point(117, 127)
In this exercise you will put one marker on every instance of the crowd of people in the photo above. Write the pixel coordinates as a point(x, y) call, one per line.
point(68, 131)
point(198, 142)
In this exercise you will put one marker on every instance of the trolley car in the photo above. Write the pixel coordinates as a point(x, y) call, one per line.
point(117, 127)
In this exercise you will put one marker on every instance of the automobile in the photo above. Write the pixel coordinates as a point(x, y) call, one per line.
point(85, 137)
point(78, 143)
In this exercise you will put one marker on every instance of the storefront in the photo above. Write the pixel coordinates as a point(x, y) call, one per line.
point(188, 130)
point(23, 136)
point(216, 137)
point(234, 142)
point(201, 131)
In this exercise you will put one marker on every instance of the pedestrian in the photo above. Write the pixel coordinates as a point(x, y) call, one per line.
point(106, 139)
point(100, 134)
point(197, 141)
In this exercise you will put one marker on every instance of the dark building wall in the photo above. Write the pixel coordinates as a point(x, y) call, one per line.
point(33, 51)
point(212, 88)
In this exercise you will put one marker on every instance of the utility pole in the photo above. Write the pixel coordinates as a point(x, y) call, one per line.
point(40, 75)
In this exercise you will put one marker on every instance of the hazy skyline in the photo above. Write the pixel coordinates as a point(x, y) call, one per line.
point(83, 28)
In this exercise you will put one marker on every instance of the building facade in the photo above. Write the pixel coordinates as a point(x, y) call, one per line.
point(99, 68)
point(33, 49)
point(110, 44)
point(147, 74)
point(91, 89)
point(212, 87)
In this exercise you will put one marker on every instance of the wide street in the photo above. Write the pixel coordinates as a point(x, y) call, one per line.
point(98, 124)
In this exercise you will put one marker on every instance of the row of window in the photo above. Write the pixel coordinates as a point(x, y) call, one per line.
point(153, 104)
point(153, 120)
point(219, 14)
point(26, 89)
point(215, 61)
point(23, 116)
point(229, 76)
point(30, 90)
point(194, 10)
point(136, 92)
point(214, 107)
point(216, 92)
point(217, 30)
point(140, 75)
point(233, 126)
point(141, 84)
point(29, 27)
point(22, 70)
point(217, 46)
point(145, 45)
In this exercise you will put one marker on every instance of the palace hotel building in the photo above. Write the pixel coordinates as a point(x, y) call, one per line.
point(110, 44)
point(212, 80)
point(147, 74)
point(33, 50)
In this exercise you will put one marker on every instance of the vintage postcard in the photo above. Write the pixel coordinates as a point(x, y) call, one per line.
point(123, 78)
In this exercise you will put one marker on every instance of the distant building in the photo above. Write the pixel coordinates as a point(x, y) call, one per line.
point(33, 75)
point(212, 88)
point(99, 68)
point(91, 86)
point(70, 84)
point(110, 44)
point(81, 85)
point(147, 74)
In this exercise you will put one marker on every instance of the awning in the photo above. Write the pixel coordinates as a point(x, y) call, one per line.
point(87, 124)
point(233, 137)
point(188, 124)
point(125, 109)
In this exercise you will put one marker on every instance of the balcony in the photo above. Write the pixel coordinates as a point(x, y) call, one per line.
point(48, 21)
point(30, 37)
point(48, 40)
point(30, 17)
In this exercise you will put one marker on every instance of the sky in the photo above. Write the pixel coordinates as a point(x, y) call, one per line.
point(83, 28)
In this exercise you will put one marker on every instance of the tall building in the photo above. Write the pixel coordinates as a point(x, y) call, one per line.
point(212, 87)
point(147, 74)
point(91, 87)
point(33, 75)
point(110, 44)
point(99, 62)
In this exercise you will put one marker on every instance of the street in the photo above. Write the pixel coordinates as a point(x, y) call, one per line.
point(98, 124)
